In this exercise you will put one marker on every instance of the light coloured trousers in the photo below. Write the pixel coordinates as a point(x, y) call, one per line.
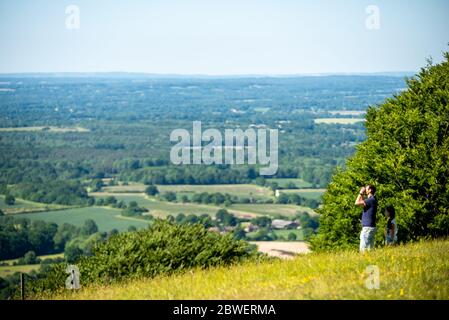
point(367, 238)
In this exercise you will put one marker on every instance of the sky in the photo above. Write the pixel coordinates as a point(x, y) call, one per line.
point(227, 37)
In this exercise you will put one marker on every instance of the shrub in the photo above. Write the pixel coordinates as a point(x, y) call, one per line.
point(291, 236)
point(163, 248)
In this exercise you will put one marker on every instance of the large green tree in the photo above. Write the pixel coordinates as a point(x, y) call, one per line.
point(406, 155)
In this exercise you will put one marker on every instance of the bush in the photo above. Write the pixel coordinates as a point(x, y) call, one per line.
point(291, 236)
point(151, 190)
point(163, 248)
point(29, 258)
point(10, 200)
point(170, 196)
point(89, 227)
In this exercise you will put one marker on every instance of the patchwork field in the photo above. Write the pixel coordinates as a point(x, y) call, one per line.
point(307, 193)
point(284, 233)
point(10, 270)
point(348, 112)
point(45, 129)
point(23, 206)
point(43, 257)
point(163, 208)
point(130, 188)
point(285, 181)
point(106, 218)
point(160, 208)
point(338, 120)
point(241, 190)
point(270, 209)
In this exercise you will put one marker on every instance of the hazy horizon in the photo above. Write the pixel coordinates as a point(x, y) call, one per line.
point(226, 38)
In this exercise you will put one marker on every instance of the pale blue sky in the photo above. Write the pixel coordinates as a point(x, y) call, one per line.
point(221, 37)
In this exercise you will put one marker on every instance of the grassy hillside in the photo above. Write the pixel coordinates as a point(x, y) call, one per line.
point(413, 271)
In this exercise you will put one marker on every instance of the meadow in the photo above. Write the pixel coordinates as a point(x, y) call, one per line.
point(163, 208)
point(414, 271)
point(315, 194)
point(239, 190)
point(106, 218)
point(283, 182)
point(284, 233)
point(23, 206)
point(269, 209)
point(10, 269)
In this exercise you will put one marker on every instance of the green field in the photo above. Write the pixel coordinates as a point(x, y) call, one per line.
point(285, 233)
point(240, 190)
point(163, 208)
point(284, 181)
point(43, 257)
point(10, 270)
point(132, 188)
point(21, 206)
point(315, 194)
point(106, 218)
point(270, 209)
point(413, 271)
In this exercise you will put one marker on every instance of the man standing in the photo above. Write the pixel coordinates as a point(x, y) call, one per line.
point(368, 216)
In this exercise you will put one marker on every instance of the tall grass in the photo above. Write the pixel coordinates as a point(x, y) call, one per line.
point(413, 271)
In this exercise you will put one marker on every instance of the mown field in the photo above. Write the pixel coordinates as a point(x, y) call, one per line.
point(315, 194)
point(106, 218)
point(163, 208)
point(413, 271)
point(160, 208)
point(43, 257)
point(269, 209)
point(9, 269)
point(283, 182)
point(240, 190)
point(22, 206)
point(284, 233)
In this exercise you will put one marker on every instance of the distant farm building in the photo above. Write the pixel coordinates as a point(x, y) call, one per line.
point(284, 224)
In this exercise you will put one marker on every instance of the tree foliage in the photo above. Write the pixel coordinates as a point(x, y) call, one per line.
point(406, 155)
